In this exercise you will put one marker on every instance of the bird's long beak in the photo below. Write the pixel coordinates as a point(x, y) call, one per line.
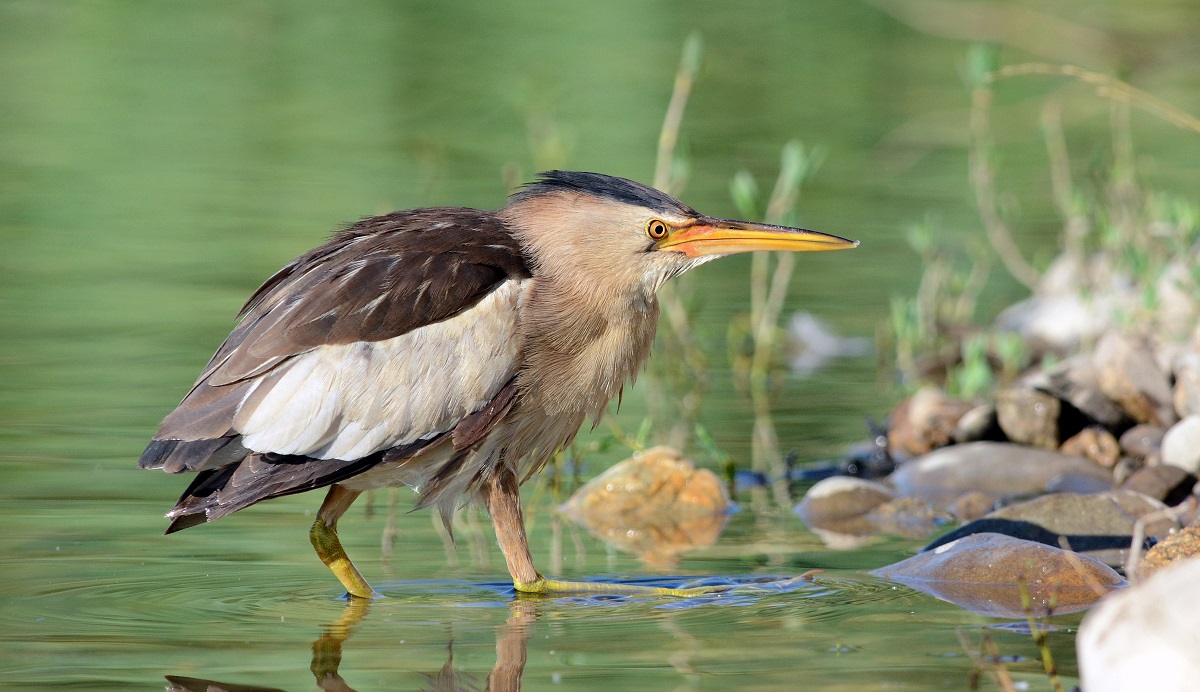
point(709, 236)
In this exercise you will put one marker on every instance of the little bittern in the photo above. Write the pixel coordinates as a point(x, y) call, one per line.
point(451, 350)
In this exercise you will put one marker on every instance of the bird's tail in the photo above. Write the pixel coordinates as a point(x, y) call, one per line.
point(217, 492)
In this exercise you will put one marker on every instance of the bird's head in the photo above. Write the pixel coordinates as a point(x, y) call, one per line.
point(610, 231)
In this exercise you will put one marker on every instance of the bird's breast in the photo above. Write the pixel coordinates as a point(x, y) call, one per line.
point(581, 350)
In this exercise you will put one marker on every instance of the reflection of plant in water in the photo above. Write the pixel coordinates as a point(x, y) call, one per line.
point(755, 339)
point(1038, 631)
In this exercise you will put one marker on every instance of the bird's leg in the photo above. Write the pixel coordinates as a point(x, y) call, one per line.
point(329, 548)
point(503, 501)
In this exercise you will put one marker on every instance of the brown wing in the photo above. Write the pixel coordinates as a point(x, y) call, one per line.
point(350, 301)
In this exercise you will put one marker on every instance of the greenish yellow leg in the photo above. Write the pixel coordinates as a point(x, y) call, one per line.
point(504, 504)
point(329, 548)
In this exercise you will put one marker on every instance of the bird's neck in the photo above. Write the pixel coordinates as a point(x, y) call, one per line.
point(583, 344)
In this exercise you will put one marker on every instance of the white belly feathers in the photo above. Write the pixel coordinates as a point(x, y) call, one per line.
point(350, 400)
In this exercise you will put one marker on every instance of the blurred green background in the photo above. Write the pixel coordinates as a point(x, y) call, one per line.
point(158, 160)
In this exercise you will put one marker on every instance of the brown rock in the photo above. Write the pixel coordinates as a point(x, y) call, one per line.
point(1125, 467)
point(656, 505)
point(972, 505)
point(1029, 417)
point(1142, 440)
point(984, 573)
point(1165, 483)
point(924, 422)
point(907, 516)
point(1179, 546)
point(1074, 381)
point(1127, 372)
point(978, 424)
point(1096, 444)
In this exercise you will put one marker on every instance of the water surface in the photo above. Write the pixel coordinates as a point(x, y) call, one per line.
point(158, 161)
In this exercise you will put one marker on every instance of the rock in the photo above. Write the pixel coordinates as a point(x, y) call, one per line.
point(909, 517)
point(1125, 467)
point(972, 505)
point(984, 573)
point(1187, 384)
point(1127, 372)
point(978, 424)
point(1096, 444)
point(998, 469)
point(1167, 484)
point(1175, 299)
point(656, 505)
point(1074, 381)
point(925, 421)
point(1059, 323)
point(1097, 525)
point(1142, 440)
point(1144, 638)
point(1179, 546)
point(1080, 485)
point(841, 498)
point(1181, 445)
point(1029, 417)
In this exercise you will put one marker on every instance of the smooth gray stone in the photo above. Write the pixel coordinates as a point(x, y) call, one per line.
point(999, 469)
point(1098, 525)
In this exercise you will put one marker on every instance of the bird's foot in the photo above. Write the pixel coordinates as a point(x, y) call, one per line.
point(329, 548)
point(555, 587)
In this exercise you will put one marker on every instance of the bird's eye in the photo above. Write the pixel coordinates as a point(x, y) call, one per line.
point(657, 229)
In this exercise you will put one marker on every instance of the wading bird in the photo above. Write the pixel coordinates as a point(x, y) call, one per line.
point(451, 350)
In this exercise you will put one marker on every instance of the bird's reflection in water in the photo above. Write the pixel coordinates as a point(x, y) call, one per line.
point(512, 639)
point(327, 650)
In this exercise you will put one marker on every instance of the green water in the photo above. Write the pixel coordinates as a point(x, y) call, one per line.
point(159, 160)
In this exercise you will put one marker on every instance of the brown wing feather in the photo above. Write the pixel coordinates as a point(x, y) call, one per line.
point(377, 279)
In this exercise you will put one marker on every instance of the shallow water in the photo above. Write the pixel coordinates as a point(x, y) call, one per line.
point(158, 161)
point(246, 603)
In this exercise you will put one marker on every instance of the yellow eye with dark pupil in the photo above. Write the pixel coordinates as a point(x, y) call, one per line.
point(657, 229)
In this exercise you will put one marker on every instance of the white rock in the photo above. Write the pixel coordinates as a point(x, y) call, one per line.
point(1187, 384)
point(1145, 637)
point(842, 497)
point(1061, 322)
point(1181, 446)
